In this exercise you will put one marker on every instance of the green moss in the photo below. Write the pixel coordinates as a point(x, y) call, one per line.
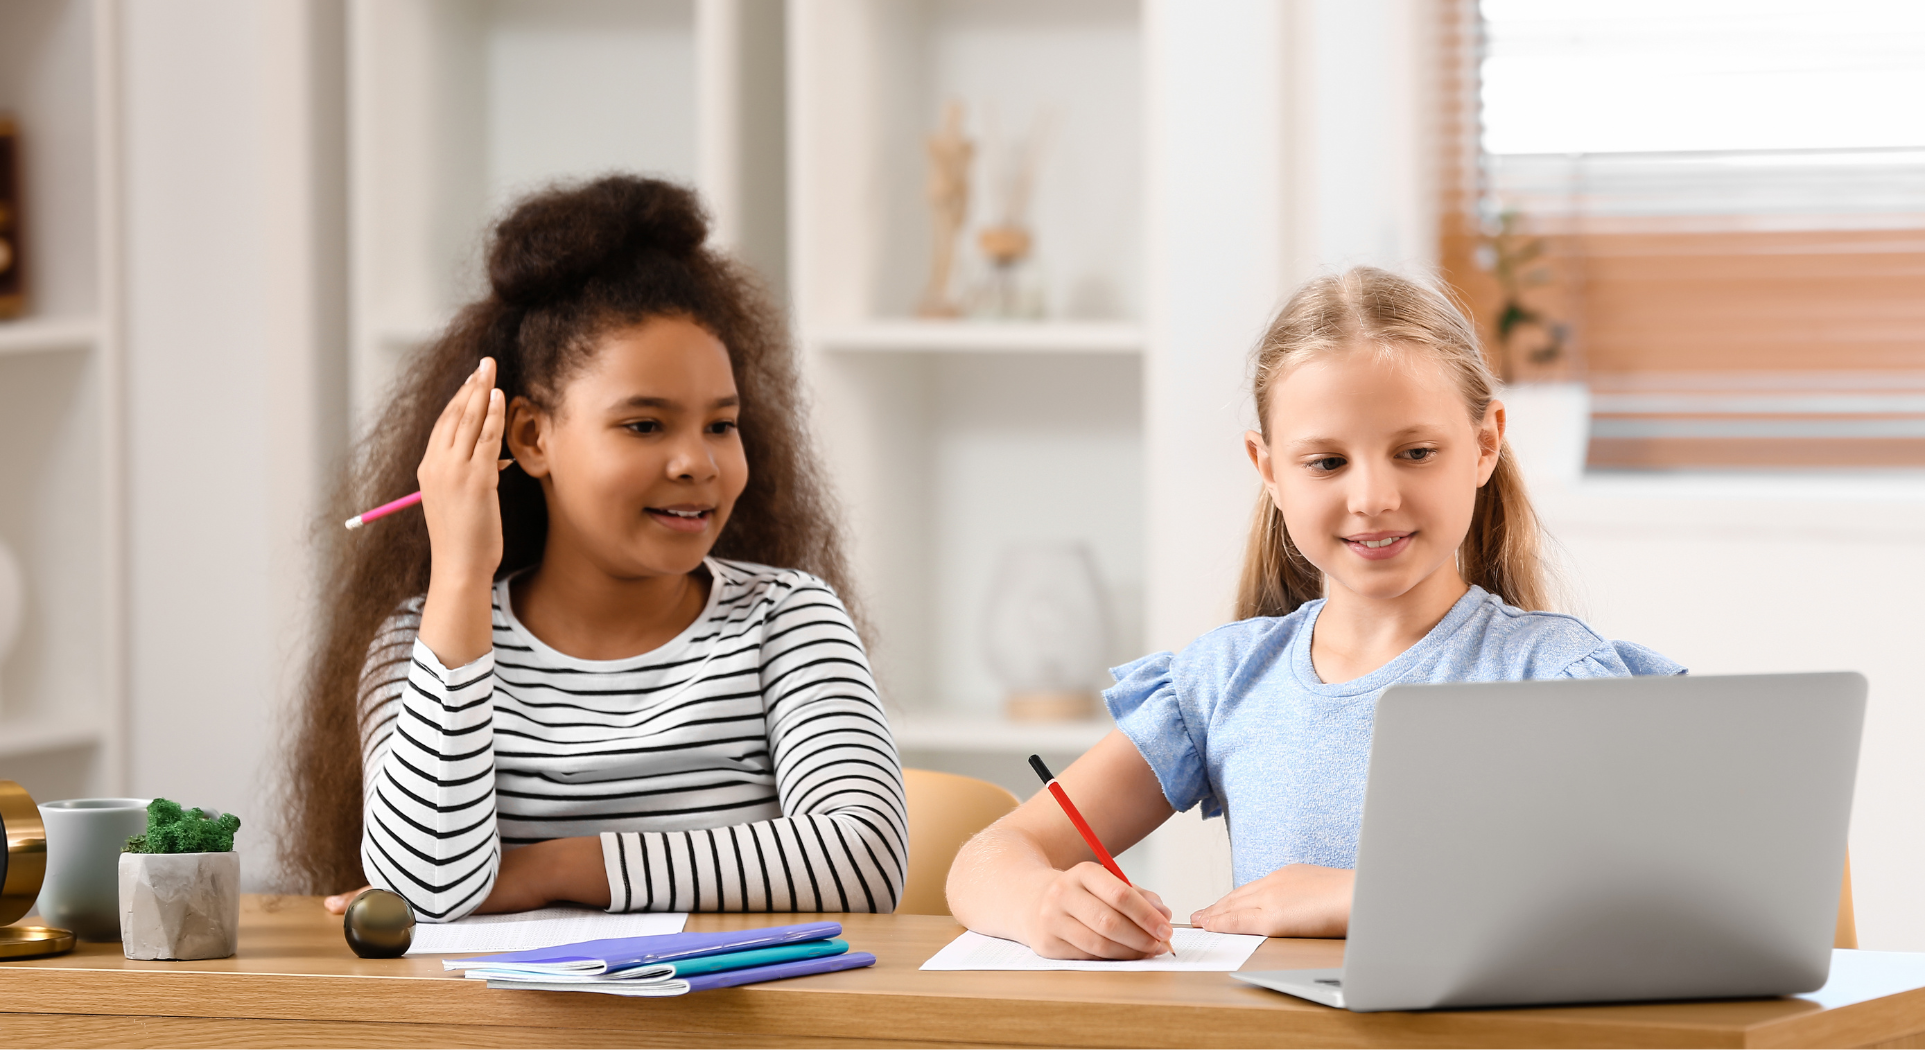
point(171, 829)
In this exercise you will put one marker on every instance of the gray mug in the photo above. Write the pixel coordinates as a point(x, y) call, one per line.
point(82, 888)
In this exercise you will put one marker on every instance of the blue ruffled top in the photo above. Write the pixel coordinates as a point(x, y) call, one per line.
point(1240, 724)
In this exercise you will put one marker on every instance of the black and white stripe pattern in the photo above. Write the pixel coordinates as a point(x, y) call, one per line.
point(745, 766)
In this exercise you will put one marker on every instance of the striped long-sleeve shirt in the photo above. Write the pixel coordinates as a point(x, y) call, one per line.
point(746, 765)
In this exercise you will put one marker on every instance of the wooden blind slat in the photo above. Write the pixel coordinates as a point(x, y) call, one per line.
point(1706, 301)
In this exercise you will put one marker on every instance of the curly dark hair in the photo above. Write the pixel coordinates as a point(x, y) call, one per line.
point(566, 266)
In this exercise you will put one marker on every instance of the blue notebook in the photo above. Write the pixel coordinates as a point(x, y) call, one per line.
point(702, 982)
point(616, 954)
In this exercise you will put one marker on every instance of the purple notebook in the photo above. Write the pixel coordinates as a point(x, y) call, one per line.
point(622, 953)
point(700, 982)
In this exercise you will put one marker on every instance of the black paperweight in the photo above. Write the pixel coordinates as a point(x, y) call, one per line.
point(378, 925)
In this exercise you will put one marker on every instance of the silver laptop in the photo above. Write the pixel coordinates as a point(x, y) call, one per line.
point(1601, 840)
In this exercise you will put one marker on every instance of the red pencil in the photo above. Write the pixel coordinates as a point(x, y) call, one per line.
point(403, 503)
point(1062, 799)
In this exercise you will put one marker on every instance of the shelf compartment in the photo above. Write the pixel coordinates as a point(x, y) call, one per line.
point(458, 108)
point(870, 80)
point(945, 461)
point(48, 82)
point(1066, 337)
point(40, 335)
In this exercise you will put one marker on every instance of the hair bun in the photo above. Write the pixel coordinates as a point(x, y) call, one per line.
point(559, 238)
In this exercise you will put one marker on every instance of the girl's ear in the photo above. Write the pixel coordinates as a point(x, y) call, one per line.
point(1259, 452)
point(527, 436)
point(1490, 440)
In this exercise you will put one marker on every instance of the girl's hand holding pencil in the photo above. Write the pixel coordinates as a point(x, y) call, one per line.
point(1044, 874)
point(1105, 911)
point(459, 479)
point(1087, 913)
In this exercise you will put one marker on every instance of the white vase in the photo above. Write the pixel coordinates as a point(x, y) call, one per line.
point(1045, 633)
point(1548, 426)
point(180, 905)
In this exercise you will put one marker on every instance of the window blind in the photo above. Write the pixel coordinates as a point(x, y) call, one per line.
point(1713, 212)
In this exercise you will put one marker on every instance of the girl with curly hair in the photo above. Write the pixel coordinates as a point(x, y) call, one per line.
point(617, 671)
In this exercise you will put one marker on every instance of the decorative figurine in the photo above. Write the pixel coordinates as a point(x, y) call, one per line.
point(1007, 242)
point(950, 154)
point(1046, 633)
point(378, 925)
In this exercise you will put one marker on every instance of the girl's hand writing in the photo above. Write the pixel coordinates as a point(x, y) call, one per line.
point(1296, 900)
point(1086, 913)
point(459, 478)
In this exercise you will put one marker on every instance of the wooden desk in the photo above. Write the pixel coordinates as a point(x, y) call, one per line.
point(296, 984)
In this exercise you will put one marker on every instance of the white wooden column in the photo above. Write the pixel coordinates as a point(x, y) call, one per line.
point(236, 383)
point(1286, 138)
point(1215, 94)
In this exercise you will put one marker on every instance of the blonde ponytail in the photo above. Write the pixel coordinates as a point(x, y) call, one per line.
point(1366, 307)
point(1502, 551)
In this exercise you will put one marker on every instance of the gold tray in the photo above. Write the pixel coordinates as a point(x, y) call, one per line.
point(27, 942)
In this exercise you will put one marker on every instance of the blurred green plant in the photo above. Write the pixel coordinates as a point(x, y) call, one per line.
point(171, 829)
point(1516, 260)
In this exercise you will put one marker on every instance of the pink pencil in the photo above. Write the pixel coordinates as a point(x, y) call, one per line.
point(403, 503)
point(384, 510)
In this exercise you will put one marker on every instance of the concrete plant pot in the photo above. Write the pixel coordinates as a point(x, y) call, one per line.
point(180, 905)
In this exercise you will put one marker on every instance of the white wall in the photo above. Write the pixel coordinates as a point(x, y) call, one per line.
point(1732, 575)
point(235, 394)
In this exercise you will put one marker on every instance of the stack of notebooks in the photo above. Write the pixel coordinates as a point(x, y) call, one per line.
point(671, 963)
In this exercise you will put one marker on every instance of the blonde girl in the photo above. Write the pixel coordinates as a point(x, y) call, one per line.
point(1393, 542)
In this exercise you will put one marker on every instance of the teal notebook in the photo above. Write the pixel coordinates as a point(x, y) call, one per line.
point(759, 957)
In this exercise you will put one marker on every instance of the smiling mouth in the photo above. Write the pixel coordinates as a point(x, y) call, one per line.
point(682, 519)
point(1377, 546)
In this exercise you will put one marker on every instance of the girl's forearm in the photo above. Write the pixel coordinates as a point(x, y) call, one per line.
point(997, 881)
point(575, 871)
point(545, 872)
point(457, 619)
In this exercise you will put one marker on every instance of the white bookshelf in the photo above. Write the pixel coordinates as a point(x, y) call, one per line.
point(457, 107)
point(952, 440)
point(62, 691)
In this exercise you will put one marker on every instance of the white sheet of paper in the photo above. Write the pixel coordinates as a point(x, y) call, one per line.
point(1194, 950)
point(542, 928)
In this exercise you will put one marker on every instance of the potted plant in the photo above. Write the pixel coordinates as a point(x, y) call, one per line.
point(180, 885)
point(1548, 408)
